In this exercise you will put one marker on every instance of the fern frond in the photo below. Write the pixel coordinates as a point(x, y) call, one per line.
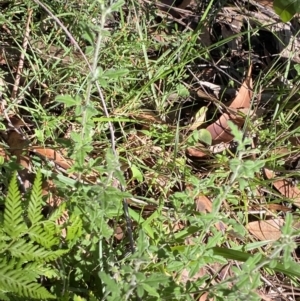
point(35, 201)
point(26, 250)
point(45, 238)
point(46, 270)
point(19, 281)
point(74, 229)
point(51, 228)
point(14, 223)
point(3, 297)
point(57, 213)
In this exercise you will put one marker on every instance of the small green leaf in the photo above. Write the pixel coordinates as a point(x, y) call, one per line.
point(117, 5)
point(151, 291)
point(68, 100)
point(205, 136)
point(113, 73)
point(182, 91)
point(297, 68)
point(286, 9)
point(140, 291)
point(136, 173)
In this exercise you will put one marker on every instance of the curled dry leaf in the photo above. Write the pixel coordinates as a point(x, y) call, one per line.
point(243, 98)
point(220, 130)
point(285, 187)
point(266, 230)
point(196, 152)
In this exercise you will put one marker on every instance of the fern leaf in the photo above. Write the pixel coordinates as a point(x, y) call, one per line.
point(14, 223)
point(35, 201)
point(3, 297)
point(51, 228)
point(74, 230)
point(44, 238)
point(47, 271)
point(57, 213)
point(26, 250)
point(23, 249)
point(17, 281)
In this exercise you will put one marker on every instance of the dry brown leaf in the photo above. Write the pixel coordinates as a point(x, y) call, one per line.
point(243, 98)
point(184, 277)
point(266, 230)
point(17, 145)
point(49, 189)
point(203, 204)
point(147, 117)
point(285, 187)
point(118, 233)
point(53, 155)
point(220, 130)
point(267, 3)
point(204, 297)
point(196, 152)
point(3, 154)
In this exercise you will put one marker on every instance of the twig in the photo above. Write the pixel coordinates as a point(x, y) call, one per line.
point(15, 89)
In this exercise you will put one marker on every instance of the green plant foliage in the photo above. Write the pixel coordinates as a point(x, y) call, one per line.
point(286, 9)
point(27, 243)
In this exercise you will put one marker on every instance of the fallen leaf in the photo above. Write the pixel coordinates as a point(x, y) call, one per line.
point(54, 200)
point(53, 155)
point(118, 233)
point(285, 187)
point(243, 98)
point(196, 152)
point(17, 145)
point(204, 297)
point(220, 130)
point(203, 204)
point(184, 276)
point(266, 230)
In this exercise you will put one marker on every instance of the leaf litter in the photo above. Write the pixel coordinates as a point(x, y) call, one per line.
point(148, 153)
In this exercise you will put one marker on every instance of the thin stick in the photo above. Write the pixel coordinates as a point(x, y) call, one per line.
point(15, 89)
